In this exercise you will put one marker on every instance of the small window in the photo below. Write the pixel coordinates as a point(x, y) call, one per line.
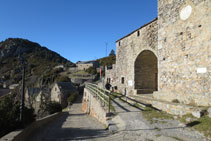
point(115, 87)
point(123, 80)
point(55, 89)
point(119, 43)
point(109, 67)
point(138, 33)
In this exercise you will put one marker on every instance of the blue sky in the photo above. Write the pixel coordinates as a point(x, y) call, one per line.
point(76, 29)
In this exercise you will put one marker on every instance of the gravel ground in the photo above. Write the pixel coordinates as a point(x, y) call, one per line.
point(134, 127)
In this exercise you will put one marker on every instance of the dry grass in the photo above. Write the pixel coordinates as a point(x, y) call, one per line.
point(150, 114)
point(204, 125)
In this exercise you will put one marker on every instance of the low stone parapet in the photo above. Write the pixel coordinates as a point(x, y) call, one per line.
point(25, 135)
point(194, 99)
point(169, 107)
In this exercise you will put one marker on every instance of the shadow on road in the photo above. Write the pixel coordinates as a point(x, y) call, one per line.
point(48, 130)
point(125, 107)
point(81, 134)
point(72, 125)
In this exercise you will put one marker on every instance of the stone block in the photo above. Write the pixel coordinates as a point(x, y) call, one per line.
point(209, 112)
point(197, 114)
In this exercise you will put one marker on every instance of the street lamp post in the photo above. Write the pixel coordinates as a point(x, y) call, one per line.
point(23, 63)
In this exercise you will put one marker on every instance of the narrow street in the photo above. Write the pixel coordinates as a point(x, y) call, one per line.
point(73, 125)
point(76, 125)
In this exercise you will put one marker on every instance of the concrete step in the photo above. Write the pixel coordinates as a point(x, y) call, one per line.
point(144, 91)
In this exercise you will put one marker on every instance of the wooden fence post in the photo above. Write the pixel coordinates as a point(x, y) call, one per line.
point(109, 102)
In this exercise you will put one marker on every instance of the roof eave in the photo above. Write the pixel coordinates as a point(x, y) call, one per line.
point(137, 29)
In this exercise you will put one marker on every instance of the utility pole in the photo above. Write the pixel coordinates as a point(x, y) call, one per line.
point(106, 48)
point(23, 63)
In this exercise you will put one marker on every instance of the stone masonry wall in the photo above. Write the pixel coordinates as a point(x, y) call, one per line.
point(184, 50)
point(111, 73)
point(127, 50)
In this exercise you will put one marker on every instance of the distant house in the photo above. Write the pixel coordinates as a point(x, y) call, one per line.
point(61, 91)
point(73, 69)
point(13, 86)
point(35, 96)
point(5, 85)
point(31, 96)
point(83, 65)
point(59, 66)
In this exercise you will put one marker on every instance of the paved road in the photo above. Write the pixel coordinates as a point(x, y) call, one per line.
point(73, 125)
point(134, 127)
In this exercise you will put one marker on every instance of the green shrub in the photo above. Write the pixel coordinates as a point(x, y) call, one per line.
point(91, 70)
point(62, 79)
point(10, 115)
point(53, 107)
point(72, 98)
point(29, 116)
point(107, 60)
point(58, 70)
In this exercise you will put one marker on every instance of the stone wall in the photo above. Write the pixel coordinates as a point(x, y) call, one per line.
point(180, 40)
point(111, 74)
point(92, 106)
point(127, 51)
point(29, 131)
point(184, 51)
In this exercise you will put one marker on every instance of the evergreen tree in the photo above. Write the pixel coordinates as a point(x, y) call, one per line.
point(112, 53)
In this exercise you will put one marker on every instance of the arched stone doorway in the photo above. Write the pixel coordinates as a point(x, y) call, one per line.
point(146, 71)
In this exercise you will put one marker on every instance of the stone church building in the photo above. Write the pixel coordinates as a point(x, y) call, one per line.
point(169, 57)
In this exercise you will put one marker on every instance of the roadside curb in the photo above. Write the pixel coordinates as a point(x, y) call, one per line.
point(111, 126)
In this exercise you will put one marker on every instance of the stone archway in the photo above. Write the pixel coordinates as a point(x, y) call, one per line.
point(146, 72)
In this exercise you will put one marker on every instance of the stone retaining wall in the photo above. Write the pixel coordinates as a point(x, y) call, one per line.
point(169, 107)
point(92, 106)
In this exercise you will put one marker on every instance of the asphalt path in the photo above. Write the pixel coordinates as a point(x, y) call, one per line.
point(73, 125)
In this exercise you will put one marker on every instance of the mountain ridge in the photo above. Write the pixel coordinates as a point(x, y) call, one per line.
point(40, 62)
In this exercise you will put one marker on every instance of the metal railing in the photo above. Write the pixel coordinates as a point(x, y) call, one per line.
point(84, 76)
point(102, 94)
